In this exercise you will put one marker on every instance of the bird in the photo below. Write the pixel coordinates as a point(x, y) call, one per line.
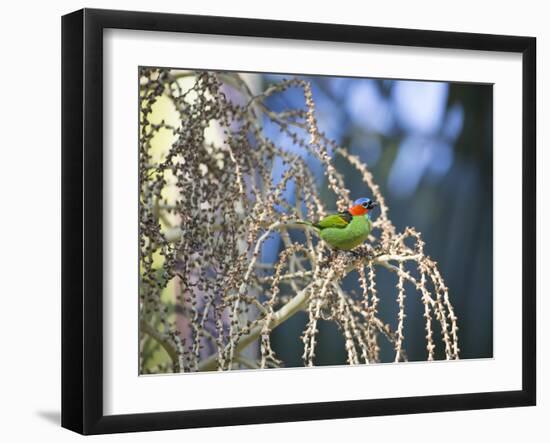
point(348, 229)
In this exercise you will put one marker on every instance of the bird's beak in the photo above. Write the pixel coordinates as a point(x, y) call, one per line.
point(372, 205)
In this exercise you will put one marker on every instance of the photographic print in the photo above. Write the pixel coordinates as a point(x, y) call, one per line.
point(325, 205)
point(290, 220)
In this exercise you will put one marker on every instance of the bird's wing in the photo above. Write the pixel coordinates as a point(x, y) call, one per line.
point(340, 220)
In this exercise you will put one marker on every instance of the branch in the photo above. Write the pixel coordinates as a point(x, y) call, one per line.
point(170, 348)
point(297, 303)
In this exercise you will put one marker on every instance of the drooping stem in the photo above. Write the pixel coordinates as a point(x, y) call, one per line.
point(296, 304)
point(288, 310)
point(167, 344)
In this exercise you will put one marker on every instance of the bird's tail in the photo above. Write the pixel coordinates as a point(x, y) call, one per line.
point(306, 223)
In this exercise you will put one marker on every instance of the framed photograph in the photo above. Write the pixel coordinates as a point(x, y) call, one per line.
point(270, 221)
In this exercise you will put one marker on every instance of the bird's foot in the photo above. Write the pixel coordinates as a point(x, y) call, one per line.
point(353, 254)
point(328, 259)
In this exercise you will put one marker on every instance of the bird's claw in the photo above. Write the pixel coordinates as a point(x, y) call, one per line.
point(328, 259)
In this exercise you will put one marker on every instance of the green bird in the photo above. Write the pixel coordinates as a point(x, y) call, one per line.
point(348, 229)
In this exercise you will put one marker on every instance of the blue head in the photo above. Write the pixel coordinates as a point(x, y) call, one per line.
point(362, 206)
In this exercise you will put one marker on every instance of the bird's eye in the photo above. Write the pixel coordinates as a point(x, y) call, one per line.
point(365, 205)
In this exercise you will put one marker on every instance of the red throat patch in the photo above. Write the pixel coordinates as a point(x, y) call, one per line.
point(358, 210)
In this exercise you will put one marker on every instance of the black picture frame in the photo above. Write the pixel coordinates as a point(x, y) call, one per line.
point(82, 219)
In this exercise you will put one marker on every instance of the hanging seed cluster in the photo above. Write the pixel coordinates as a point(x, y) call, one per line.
point(209, 202)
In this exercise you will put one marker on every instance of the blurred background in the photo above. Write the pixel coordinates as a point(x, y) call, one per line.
point(429, 145)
